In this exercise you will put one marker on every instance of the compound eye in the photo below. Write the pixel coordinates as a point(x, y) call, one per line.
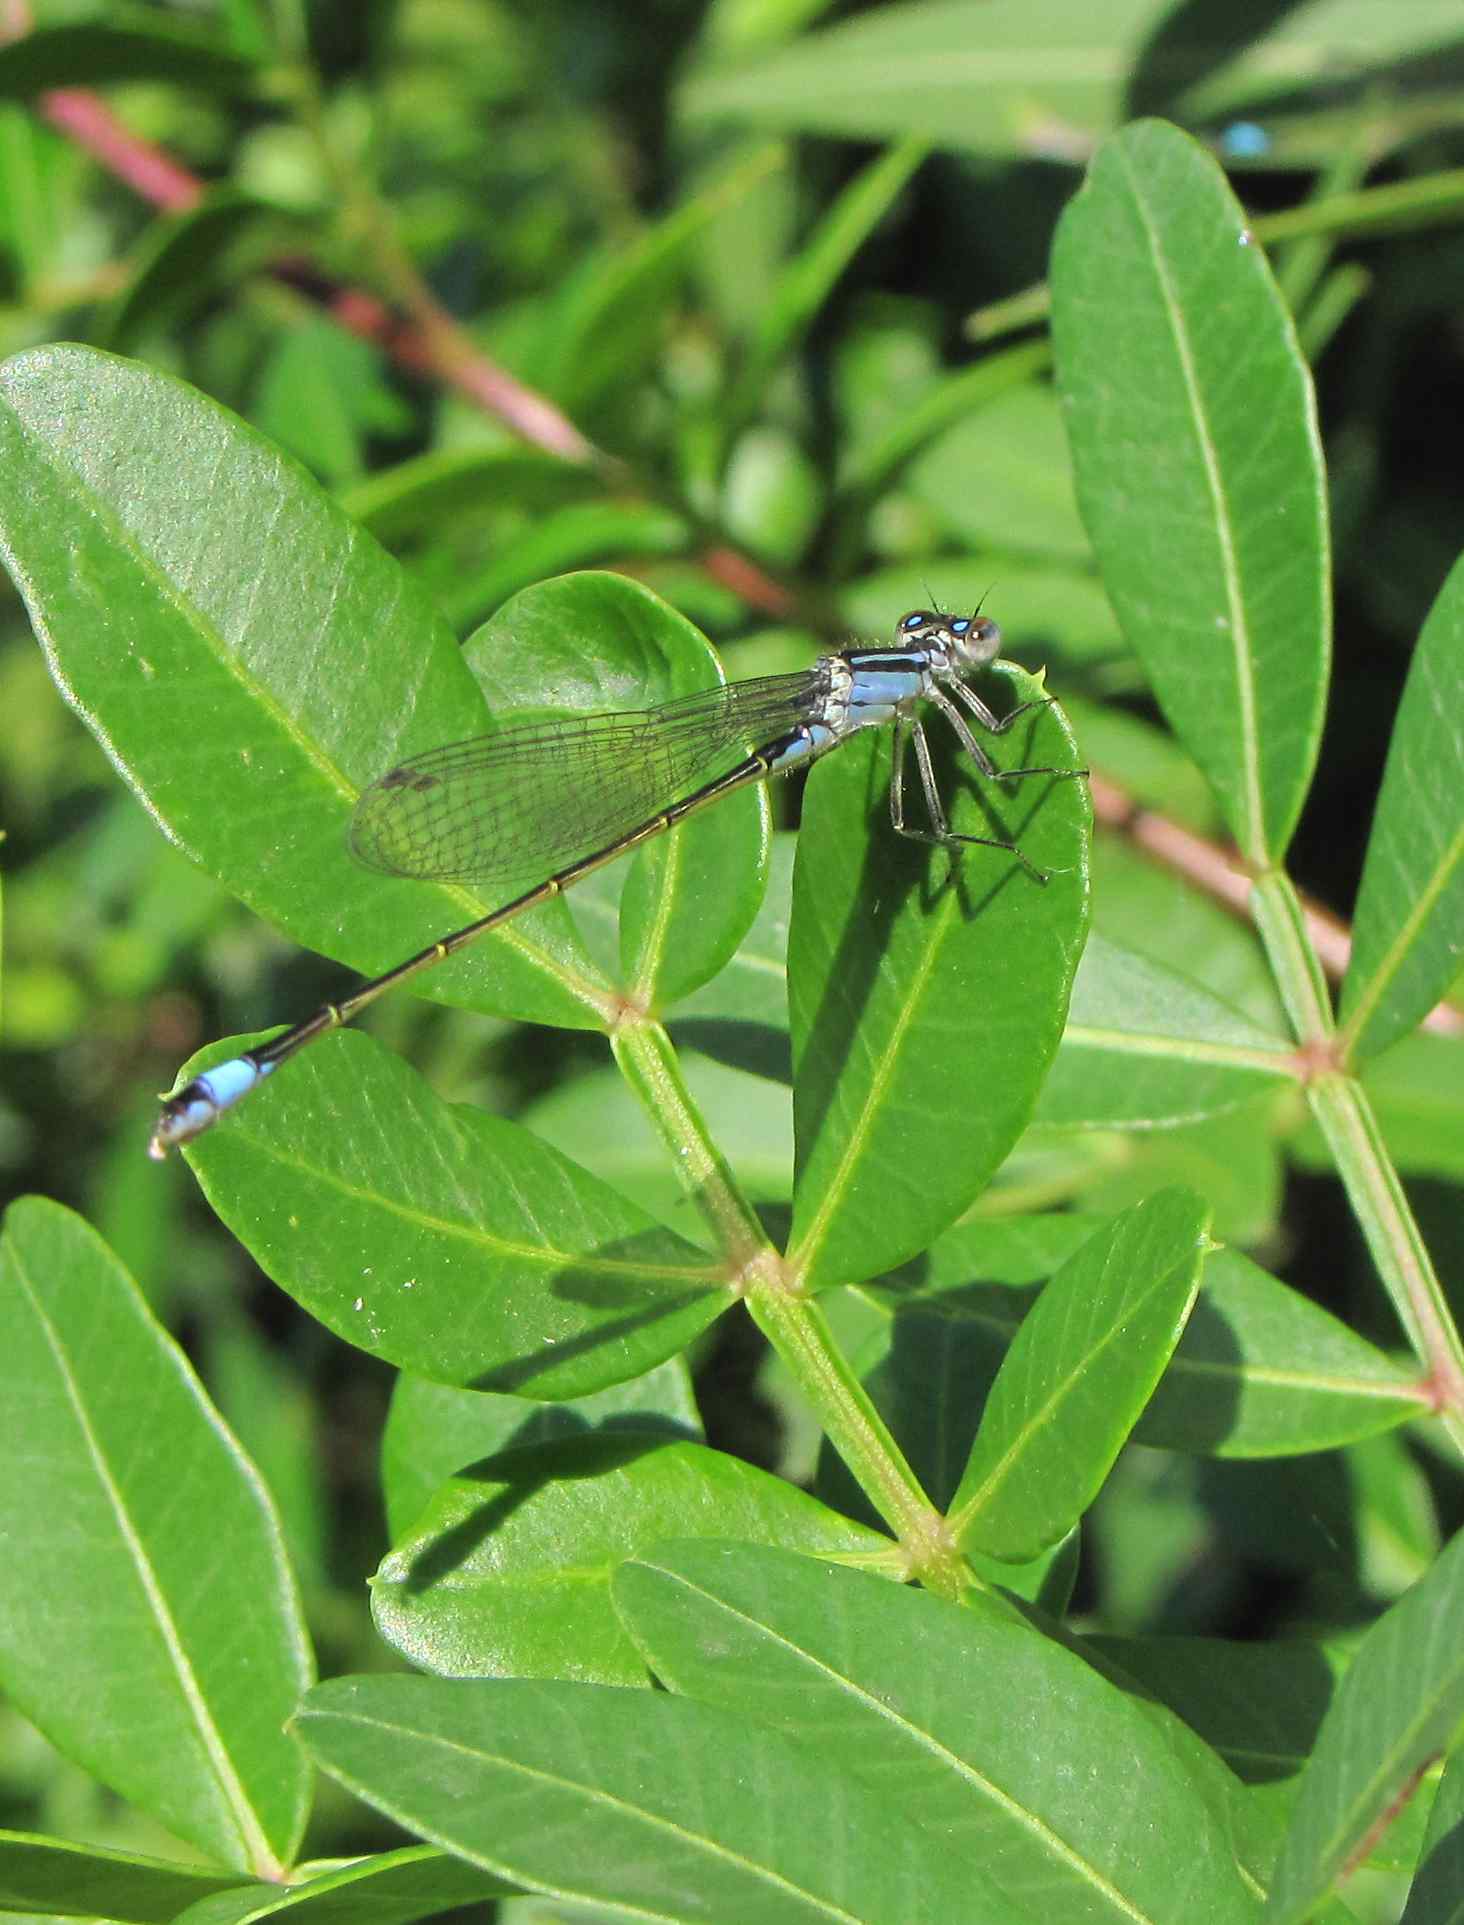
point(917, 618)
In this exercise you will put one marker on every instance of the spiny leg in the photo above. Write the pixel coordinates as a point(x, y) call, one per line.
point(940, 835)
point(997, 727)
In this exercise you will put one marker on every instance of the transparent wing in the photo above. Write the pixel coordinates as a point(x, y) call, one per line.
point(527, 800)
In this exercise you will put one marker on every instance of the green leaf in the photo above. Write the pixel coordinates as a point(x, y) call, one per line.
point(1232, 1160)
point(250, 661)
point(136, 43)
point(1192, 423)
point(578, 534)
point(872, 462)
point(507, 1572)
point(1259, 1372)
point(416, 497)
point(52, 1875)
point(1048, 80)
point(321, 392)
point(113, 1625)
point(1078, 1374)
point(390, 1888)
point(1400, 1705)
point(810, 275)
point(1342, 51)
point(1164, 917)
point(451, 1243)
point(927, 992)
point(1025, 502)
point(1258, 1704)
point(597, 641)
point(653, 1805)
point(751, 994)
point(596, 1120)
point(1263, 1372)
point(1408, 933)
point(613, 321)
point(432, 1429)
point(929, 1704)
point(1144, 1047)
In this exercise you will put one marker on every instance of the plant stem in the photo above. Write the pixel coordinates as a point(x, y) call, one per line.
point(798, 1330)
point(794, 1325)
point(1281, 920)
point(1342, 1110)
point(648, 1061)
point(1340, 1105)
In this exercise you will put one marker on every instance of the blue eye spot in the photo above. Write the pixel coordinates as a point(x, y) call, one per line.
point(960, 624)
point(915, 620)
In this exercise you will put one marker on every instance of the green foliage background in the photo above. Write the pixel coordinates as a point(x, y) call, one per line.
point(747, 302)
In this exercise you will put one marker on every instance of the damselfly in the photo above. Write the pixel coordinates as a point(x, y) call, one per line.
point(568, 796)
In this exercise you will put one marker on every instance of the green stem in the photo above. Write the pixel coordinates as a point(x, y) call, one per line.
point(648, 1061)
point(1393, 209)
point(1340, 1105)
point(792, 1322)
point(798, 1330)
point(1281, 921)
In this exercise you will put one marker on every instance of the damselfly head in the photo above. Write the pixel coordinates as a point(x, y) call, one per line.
point(968, 641)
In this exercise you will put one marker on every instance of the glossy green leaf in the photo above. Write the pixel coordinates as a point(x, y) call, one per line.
point(507, 1572)
point(1260, 1371)
point(597, 641)
point(114, 1626)
point(1408, 933)
point(250, 661)
point(1400, 1705)
point(388, 1888)
point(433, 1430)
point(52, 1875)
point(136, 43)
point(931, 1706)
point(928, 1371)
point(1145, 1047)
point(750, 995)
point(1232, 1160)
point(450, 1242)
point(927, 993)
point(1191, 418)
point(656, 1806)
point(1078, 1374)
